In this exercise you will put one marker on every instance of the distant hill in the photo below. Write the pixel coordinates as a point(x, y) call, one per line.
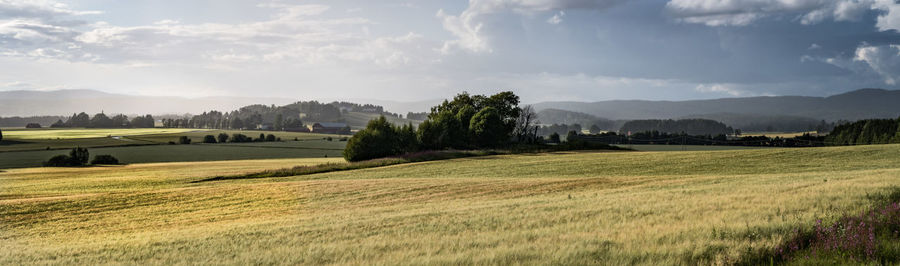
point(855, 105)
point(66, 102)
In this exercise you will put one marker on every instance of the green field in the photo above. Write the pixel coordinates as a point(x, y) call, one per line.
point(18, 149)
point(658, 147)
point(611, 208)
point(83, 133)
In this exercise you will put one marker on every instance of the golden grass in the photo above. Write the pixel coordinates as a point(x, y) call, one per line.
point(81, 133)
point(563, 208)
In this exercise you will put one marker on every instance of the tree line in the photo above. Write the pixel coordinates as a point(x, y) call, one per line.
point(665, 138)
point(101, 120)
point(465, 122)
point(870, 131)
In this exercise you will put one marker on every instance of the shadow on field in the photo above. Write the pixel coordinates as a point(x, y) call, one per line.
point(11, 142)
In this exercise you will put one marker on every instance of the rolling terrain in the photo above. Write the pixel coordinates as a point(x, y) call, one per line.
point(697, 207)
point(854, 105)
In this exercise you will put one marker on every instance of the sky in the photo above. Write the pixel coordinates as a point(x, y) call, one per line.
point(414, 50)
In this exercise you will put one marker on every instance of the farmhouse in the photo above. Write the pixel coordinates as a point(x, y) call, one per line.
point(330, 128)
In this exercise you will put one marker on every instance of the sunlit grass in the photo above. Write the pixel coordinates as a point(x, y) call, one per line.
point(80, 133)
point(563, 208)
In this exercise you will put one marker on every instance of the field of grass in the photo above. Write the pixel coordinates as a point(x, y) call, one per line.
point(190, 153)
point(784, 135)
point(657, 147)
point(698, 207)
point(83, 133)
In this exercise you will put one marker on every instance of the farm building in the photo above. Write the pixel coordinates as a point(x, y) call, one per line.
point(330, 128)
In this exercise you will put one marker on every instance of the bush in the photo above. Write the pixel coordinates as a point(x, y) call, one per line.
point(329, 139)
point(554, 138)
point(105, 159)
point(210, 139)
point(270, 137)
point(33, 125)
point(184, 140)
point(76, 157)
point(240, 138)
point(223, 137)
point(377, 140)
point(262, 137)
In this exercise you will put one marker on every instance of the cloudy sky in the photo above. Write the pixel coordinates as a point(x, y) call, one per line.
point(421, 49)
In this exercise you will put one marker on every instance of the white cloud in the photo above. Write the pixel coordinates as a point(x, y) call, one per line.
point(557, 18)
point(721, 89)
point(742, 13)
point(468, 27)
point(884, 60)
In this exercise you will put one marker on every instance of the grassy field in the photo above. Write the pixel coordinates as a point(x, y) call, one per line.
point(83, 133)
point(657, 147)
point(698, 207)
point(29, 148)
point(784, 135)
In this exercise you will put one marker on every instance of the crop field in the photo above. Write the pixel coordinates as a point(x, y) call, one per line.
point(696, 207)
point(81, 133)
point(659, 147)
point(784, 135)
point(18, 149)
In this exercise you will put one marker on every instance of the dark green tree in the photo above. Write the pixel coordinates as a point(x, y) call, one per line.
point(223, 137)
point(377, 140)
point(210, 139)
point(488, 129)
point(554, 138)
point(279, 122)
point(270, 137)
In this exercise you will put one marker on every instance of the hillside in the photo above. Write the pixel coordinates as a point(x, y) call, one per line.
point(855, 105)
point(567, 208)
point(66, 102)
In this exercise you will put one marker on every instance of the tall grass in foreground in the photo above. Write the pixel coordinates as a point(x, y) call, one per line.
point(872, 236)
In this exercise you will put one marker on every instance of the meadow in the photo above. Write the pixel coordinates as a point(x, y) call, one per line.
point(29, 148)
point(695, 207)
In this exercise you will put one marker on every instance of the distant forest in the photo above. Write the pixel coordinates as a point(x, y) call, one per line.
point(870, 131)
point(288, 117)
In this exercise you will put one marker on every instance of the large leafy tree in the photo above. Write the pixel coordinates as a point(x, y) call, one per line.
point(487, 128)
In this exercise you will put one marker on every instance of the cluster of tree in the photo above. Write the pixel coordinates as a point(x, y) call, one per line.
point(236, 138)
point(563, 117)
point(101, 120)
point(17, 121)
point(363, 108)
point(871, 131)
point(663, 138)
point(466, 122)
point(272, 117)
point(33, 125)
point(417, 116)
point(79, 157)
point(687, 126)
point(560, 129)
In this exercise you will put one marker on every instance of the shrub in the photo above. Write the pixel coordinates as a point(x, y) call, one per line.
point(223, 137)
point(377, 140)
point(262, 137)
point(105, 159)
point(76, 157)
point(210, 139)
point(329, 139)
point(184, 140)
point(554, 138)
point(171, 143)
point(240, 138)
point(58, 161)
point(270, 137)
point(33, 125)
